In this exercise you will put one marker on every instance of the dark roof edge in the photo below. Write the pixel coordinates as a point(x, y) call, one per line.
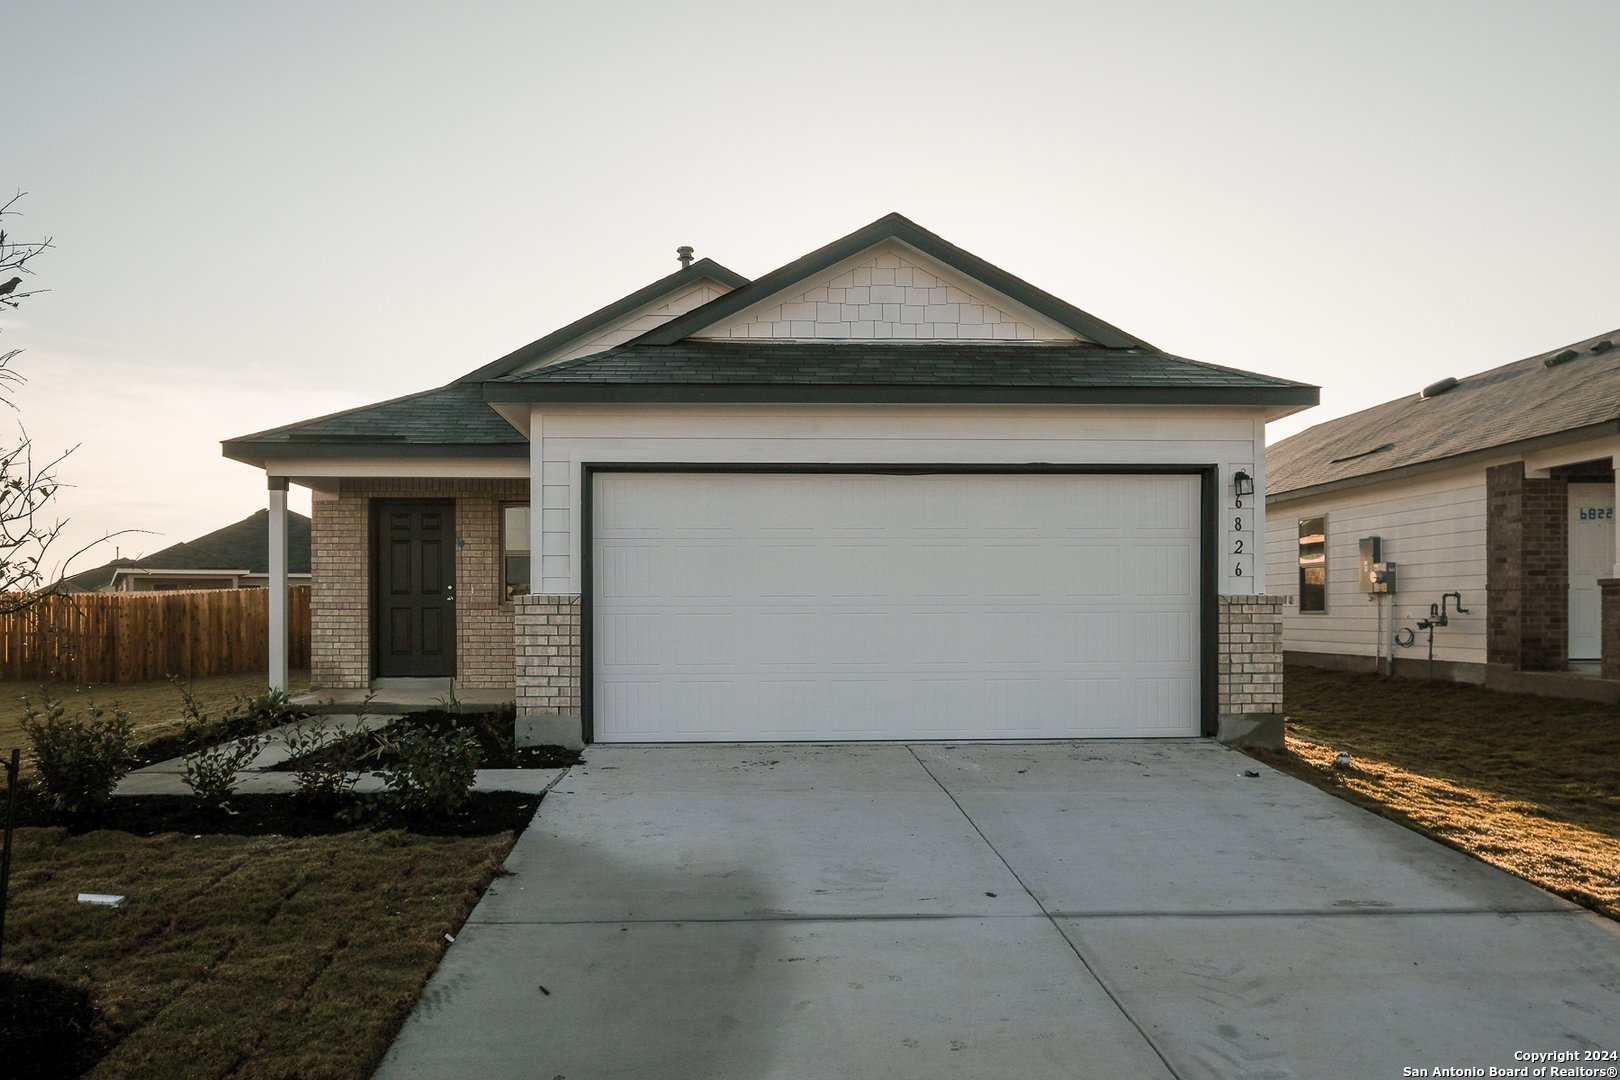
point(603, 316)
point(255, 435)
point(900, 228)
point(893, 394)
point(256, 453)
point(1456, 461)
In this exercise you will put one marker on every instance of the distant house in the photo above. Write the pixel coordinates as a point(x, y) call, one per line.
point(1497, 488)
point(235, 557)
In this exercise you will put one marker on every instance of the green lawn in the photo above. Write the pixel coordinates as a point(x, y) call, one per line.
point(155, 707)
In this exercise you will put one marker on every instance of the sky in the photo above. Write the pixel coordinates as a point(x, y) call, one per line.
point(264, 213)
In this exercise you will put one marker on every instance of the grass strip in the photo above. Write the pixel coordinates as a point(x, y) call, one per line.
point(1528, 784)
point(245, 957)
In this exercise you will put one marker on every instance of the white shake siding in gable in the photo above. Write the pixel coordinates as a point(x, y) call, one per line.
point(564, 439)
point(1432, 528)
point(895, 294)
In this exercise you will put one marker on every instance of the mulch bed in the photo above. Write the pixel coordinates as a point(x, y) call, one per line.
point(483, 814)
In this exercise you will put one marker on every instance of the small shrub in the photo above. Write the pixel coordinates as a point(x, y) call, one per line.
point(325, 762)
point(263, 711)
point(211, 773)
point(432, 772)
point(245, 718)
point(79, 760)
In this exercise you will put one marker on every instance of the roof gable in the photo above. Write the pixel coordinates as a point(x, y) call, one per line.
point(891, 292)
point(779, 304)
point(645, 309)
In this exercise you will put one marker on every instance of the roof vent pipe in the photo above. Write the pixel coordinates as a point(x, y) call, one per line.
point(1437, 388)
point(1562, 358)
point(684, 253)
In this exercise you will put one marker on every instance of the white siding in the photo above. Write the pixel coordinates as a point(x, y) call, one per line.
point(891, 293)
point(634, 324)
point(566, 437)
point(1433, 529)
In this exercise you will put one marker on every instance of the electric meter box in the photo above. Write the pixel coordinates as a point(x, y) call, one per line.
point(1376, 575)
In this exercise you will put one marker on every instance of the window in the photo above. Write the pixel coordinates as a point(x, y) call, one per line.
point(515, 549)
point(1313, 564)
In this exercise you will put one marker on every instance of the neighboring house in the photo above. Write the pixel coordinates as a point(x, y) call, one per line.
point(1499, 487)
point(235, 557)
point(885, 491)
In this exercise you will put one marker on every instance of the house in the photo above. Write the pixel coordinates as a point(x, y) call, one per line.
point(1492, 497)
point(235, 557)
point(888, 490)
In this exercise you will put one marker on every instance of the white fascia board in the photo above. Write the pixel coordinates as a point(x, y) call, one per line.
point(306, 472)
point(1539, 462)
point(515, 413)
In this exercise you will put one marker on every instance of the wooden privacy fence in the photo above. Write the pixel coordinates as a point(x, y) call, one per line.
point(138, 637)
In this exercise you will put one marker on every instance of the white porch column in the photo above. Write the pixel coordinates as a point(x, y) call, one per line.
point(1615, 461)
point(537, 462)
point(278, 583)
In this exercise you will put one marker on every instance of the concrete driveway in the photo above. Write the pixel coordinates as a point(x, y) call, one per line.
point(1118, 909)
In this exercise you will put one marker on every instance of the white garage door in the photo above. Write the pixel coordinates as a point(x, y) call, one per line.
point(770, 606)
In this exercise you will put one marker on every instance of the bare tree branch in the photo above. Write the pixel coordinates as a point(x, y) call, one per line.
point(25, 488)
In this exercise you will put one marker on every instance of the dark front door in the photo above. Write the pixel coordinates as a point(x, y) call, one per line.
point(415, 575)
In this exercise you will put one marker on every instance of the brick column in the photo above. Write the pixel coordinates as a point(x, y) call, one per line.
point(340, 603)
point(1527, 570)
point(546, 637)
point(1250, 666)
point(1611, 627)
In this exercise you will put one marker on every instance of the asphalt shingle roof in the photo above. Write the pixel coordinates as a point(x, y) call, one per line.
point(982, 364)
point(453, 415)
point(1510, 404)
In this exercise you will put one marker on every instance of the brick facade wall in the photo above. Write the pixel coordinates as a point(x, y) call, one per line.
point(548, 655)
point(340, 550)
point(1250, 661)
point(1611, 627)
point(340, 598)
point(1527, 570)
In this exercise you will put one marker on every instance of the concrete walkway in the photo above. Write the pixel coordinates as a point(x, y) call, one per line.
point(256, 778)
point(1120, 909)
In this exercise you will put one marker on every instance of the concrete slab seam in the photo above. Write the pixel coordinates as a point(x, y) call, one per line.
point(1112, 996)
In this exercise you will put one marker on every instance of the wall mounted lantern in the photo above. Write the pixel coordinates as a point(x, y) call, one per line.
point(1242, 483)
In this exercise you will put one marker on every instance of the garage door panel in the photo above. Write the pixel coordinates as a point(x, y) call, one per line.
point(761, 606)
point(1168, 637)
point(780, 571)
point(630, 571)
point(1161, 702)
point(1162, 569)
point(1157, 508)
point(1091, 570)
